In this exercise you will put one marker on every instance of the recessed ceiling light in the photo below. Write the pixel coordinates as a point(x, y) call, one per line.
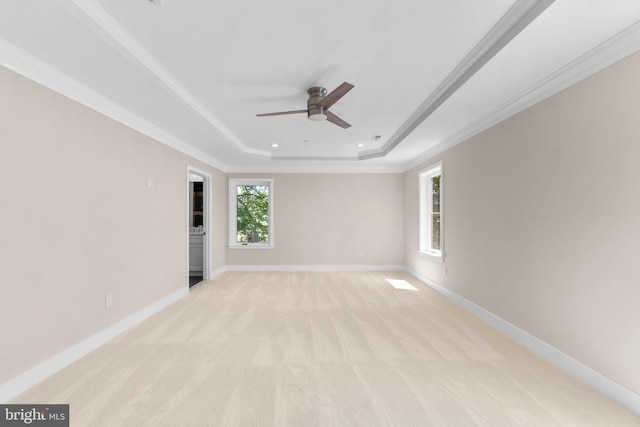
point(360, 145)
point(274, 145)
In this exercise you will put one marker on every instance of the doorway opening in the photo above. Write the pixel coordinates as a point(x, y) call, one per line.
point(199, 225)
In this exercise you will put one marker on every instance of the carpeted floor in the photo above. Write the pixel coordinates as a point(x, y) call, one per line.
point(320, 349)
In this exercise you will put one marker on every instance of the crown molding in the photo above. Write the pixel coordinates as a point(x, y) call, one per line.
point(108, 24)
point(606, 54)
point(517, 18)
point(38, 71)
point(32, 68)
point(521, 14)
point(609, 52)
point(316, 168)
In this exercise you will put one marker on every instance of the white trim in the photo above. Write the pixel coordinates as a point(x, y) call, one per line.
point(311, 166)
point(599, 382)
point(217, 272)
point(26, 65)
point(314, 268)
point(250, 246)
point(613, 50)
point(207, 243)
point(30, 378)
point(105, 21)
point(425, 210)
point(516, 19)
point(618, 47)
point(434, 255)
point(594, 379)
point(233, 211)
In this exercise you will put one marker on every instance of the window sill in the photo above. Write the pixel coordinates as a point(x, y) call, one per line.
point(250, 246)
point(435, 255)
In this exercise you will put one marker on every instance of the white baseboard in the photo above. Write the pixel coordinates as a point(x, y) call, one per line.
point(599, 382)
point(215, 273)
point(22, 383)
point(594, 379)
point(314, 268)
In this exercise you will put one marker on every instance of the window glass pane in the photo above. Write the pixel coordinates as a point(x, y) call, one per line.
point(253, 213)
point(431, 239)
point(435, 213)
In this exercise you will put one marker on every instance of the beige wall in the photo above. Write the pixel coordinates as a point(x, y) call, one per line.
point(542, 221)
point(542, 218)
point(219, 213)
point(327, 219)
point(77, 222)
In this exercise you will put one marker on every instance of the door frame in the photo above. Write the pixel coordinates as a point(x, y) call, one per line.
point(206, 220)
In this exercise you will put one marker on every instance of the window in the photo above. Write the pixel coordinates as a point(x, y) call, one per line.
point(430, 187)
point(251, 213)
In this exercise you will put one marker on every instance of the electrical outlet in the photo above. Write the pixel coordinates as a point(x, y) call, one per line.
point(361, 252)
point(108, 301)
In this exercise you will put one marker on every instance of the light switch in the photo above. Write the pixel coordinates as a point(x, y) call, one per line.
point(149, 182)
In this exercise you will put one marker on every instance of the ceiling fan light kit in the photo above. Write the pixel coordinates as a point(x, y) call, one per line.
point(319, 103)
point(315, 113)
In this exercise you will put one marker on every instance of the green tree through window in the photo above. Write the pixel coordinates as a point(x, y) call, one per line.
point(435, 212)
point(253, 212)
point(430, 205)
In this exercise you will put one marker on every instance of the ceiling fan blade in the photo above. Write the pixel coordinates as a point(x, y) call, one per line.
point(336, 120)
point(282, 113)
point(335, 95)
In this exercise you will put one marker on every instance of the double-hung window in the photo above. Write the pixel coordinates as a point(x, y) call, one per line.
point(250, 213)
point(430, 187)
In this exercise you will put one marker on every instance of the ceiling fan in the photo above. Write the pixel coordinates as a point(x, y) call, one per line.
point(319, 103)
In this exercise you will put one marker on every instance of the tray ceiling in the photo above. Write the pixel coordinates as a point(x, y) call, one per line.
point(427, 75)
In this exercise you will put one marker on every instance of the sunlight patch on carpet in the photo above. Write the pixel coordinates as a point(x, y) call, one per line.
point(401, 284)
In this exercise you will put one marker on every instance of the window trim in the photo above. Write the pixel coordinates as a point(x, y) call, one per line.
point(425, 210)
point(233, 213)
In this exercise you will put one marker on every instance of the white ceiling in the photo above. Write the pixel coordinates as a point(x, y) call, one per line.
point(427, 74)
